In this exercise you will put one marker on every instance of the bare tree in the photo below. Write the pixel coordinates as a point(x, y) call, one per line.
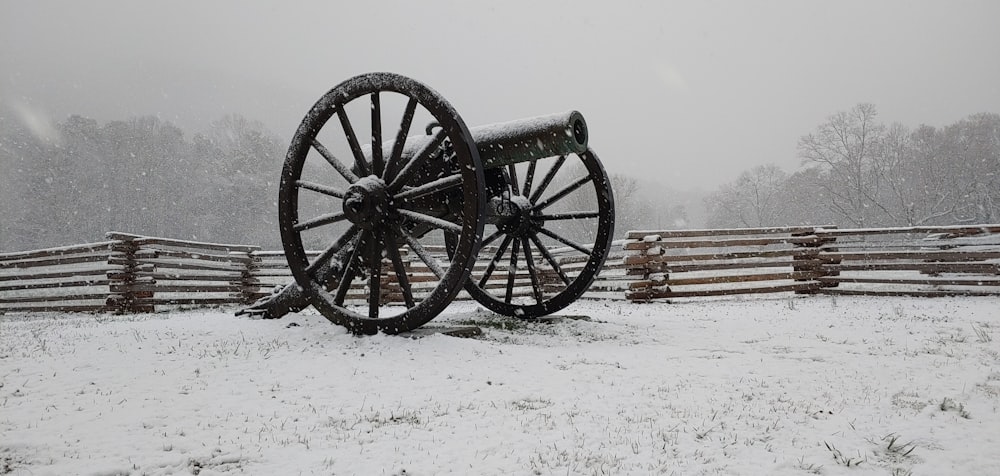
point(803, 199)
point(752, 200)
point(844, 147)
point(915, 190)
point(972, 148)
point(862, 173)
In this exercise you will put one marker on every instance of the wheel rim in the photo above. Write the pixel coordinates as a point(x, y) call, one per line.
point(545, 253)
point(361, 210)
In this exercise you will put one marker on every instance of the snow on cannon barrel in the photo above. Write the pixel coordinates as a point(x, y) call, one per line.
point(531, 139)
point(512, 142)
point(518, 214)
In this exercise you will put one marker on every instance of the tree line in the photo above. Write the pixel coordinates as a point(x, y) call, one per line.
point(75, 180)
point(78, 179)
point(859, 172)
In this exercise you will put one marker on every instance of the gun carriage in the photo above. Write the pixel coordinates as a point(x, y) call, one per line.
point(505, 195)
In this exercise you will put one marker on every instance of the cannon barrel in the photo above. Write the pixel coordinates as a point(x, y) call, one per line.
point(532, 138)
point(515, 141)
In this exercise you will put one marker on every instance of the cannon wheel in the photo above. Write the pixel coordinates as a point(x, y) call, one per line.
point(366, 207)
point(545, 210)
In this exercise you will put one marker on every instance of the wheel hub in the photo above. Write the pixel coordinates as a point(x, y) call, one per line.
point(515, 215)
point(366, 202)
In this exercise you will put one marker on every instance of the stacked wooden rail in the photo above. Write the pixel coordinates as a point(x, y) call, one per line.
point(164, 272)
point(688, 263)
point(914, 261)
point(608, 282)
point(71, 278)
point(131, 273)
point(917, 261)
point(272, 271)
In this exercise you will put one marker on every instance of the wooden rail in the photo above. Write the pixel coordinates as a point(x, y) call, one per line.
point(612, 282)
point(70, 278)
point(918, 261)
point(131, 273)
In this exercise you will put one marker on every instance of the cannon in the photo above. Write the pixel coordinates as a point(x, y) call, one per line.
point(519, 215)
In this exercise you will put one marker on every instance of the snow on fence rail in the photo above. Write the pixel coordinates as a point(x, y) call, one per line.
point(132, 273)
point(70, 278)
point(918, 261)
point(273, 271)
point(162, 272)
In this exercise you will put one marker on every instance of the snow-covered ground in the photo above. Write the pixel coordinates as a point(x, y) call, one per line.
point(779, 385)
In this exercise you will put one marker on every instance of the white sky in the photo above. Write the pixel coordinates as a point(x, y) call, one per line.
point(686, 93)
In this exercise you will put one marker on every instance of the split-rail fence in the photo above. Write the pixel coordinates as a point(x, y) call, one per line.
point(131, 273)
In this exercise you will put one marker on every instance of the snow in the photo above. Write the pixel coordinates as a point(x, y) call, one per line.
point(774, 385)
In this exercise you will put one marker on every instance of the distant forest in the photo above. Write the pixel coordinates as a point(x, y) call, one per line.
point(859, 172)
point(142, 175)
point(75, 180)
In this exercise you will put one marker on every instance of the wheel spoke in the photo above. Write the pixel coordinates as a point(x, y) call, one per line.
point(374, 275)
point(401, 278)
point(349, 271)
point(548, 257)
point(352, 139)
point(397, 147)
point(562, 193)
point(493, 262)
point(337, 164)
point(319, 221)
point(530, 177)
point(432, 221)
point(418, 159)
point(424, 256)
point(491, 238)
point(531, 271)
point(512, 172)
point(511, 272)
point(320, 267)
point(378, 165)
point(316, 187)
point(570, 215)
point(428, 188)
point(548, 178)
point(567, 242)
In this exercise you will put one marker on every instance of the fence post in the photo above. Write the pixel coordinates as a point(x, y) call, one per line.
point(812, 261)
point(637, 264)
point(807, 261)
point(249, 284)
point(121, 299)
point(388, 281)
point(828, 266)
point(123, 284)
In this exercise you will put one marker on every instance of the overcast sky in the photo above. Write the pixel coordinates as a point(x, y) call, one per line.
point(686, 93)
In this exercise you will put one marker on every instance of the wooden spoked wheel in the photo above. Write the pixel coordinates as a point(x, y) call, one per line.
point(546, 237)
point(370, 210)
